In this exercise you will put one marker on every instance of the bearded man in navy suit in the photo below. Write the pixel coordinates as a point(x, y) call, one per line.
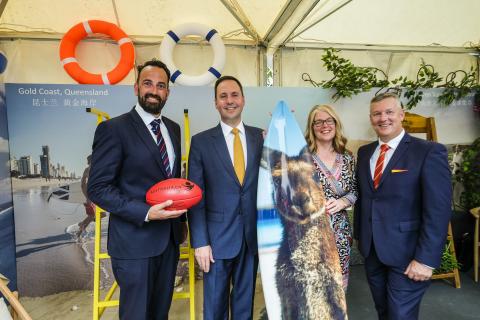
point(223, 225)
point(128, 158)
point(403, 210)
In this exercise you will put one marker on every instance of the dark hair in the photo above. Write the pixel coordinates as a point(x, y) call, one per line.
point(225, 78)
point(154, 63)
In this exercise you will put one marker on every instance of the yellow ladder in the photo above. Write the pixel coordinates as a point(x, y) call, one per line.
point(187, 252)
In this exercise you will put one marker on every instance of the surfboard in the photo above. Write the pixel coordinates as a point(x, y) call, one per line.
point(71, 192)
point(299, 263)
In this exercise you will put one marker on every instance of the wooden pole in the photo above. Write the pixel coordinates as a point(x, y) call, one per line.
point(13, 300)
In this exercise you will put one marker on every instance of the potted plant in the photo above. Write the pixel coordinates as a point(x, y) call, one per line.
point(467, 173)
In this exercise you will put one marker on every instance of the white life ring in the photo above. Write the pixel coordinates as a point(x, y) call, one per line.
point(211, 35)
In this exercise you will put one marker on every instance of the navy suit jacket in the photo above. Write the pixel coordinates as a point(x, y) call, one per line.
point(126, 162)
point(227, 213)
point(407, 216)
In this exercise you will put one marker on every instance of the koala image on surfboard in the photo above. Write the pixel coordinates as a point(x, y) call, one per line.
point(299, 263)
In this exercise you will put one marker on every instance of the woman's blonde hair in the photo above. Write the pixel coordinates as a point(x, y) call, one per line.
point(339, 141)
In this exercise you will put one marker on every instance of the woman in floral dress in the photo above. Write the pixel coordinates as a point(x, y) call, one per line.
point(335, 167)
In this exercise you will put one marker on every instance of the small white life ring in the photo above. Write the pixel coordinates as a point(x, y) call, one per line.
point(211, 35)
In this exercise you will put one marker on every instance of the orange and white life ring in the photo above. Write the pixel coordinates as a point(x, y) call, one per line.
point(80, 31)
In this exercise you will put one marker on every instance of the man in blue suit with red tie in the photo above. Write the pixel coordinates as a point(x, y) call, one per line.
point(403, 210)
point(131, 153)
point(224, 162)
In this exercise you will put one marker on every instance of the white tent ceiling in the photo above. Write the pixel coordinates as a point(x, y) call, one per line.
point(389, 34)
point(440, 23)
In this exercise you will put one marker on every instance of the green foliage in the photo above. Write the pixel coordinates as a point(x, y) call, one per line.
point(427, 77)
point(457, 90)
point(448, 262)
point(469, 175)
point(349, 80)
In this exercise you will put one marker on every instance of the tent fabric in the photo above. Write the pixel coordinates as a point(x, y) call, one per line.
point(296, 62)
point(402, 31)
point(441, 23)
point(407, 22)
point(32, 61)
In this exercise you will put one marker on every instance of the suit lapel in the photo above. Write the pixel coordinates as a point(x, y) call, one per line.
point(397, 155)
point(176, 145)
point(365, 166)
point(142, 131)
point(220, 146)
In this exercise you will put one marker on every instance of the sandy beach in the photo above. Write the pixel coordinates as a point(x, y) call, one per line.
point(50, 257)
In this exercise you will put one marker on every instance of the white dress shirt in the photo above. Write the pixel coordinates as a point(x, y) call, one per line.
point(393, 144)
point(227, 133)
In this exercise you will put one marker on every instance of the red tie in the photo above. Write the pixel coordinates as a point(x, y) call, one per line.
point(379, 166)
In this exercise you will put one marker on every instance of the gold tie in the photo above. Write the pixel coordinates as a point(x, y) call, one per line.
point(238, 158)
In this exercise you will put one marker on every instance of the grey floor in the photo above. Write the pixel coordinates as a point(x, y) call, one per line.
point(441, 302)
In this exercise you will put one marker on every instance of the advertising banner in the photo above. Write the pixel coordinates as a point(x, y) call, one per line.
point(51, 133)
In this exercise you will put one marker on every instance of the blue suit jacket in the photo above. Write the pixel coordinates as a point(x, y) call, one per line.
point(126, 162)
point(227, 213)
point(407, 215)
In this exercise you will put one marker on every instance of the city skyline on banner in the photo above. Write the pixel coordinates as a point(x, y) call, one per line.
point(55, 116)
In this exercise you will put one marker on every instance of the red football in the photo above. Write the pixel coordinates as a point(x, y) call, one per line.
point(182, 192)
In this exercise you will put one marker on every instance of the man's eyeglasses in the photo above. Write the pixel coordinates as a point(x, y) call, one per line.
point(319, 123)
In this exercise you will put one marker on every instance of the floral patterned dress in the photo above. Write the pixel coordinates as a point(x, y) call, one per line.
point(339, 182)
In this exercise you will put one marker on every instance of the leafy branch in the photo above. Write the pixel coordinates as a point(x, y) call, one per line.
point(448, 263)
point(457, 90)
point(349, 80)
point(427, 77)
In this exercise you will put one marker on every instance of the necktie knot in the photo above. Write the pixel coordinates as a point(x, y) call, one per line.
point(155, 126)
point(235, 131)
point(384, 147)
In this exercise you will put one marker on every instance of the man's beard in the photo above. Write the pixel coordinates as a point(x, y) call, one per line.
point(151, 107)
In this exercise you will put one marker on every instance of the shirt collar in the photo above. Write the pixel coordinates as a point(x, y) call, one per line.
point(226, 129)
point(147, 118)
point(393, 144)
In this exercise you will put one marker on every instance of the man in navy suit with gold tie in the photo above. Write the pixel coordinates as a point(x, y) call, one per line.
point(224, 162)
point(403, 210)
point(131, 153)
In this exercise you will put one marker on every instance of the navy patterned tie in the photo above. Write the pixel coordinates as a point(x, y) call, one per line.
point(161, 146)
